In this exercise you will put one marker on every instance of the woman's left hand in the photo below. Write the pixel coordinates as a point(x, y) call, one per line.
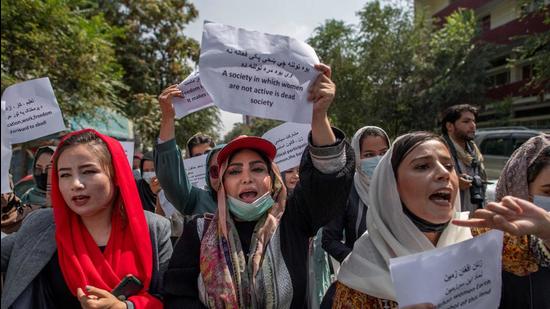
point(512, 215)
point(98, 299)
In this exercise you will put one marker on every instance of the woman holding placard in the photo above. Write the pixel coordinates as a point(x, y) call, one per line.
point(170, 168)
point(413, 199)
point(253, 252)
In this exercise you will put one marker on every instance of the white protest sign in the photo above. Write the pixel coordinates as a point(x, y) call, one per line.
point(258, 74)
point(166, 206)
point(6, 153)
point(194, 98)
point(32, 110)
point(196, 170)
point(463, 275)
point(290, 139)
point(129, 151)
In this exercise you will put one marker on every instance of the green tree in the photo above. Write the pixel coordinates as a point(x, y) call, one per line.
point(398, 72)
point(70, 46)
point(155, 54)
point(257, 127)
point(535, 48)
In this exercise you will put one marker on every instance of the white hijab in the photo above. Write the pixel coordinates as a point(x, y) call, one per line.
point(390, 233)
point(360, 179)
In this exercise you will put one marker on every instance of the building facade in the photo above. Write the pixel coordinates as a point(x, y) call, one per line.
point(504, 23)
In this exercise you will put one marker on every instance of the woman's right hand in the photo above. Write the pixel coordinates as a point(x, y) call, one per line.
point(167, 122)
point(165, 101)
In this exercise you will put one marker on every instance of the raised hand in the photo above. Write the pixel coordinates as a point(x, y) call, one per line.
point(167, 122)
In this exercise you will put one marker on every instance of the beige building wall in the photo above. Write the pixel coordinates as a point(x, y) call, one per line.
point(504, 12)
point(431, 7)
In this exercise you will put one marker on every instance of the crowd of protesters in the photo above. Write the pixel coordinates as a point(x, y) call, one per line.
point(92, 231)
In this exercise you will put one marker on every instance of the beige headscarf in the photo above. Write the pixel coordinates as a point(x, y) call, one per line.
point(360, 179)
point(513, 179)
point(390, 233)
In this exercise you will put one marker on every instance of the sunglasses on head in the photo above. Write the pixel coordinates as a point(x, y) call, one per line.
point(213, 171)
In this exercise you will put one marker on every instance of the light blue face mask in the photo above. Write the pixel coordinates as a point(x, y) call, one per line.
point(250, 211)
point(369, 164)
point(542, 201)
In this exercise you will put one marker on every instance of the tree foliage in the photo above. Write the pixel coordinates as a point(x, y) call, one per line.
point(73, 48)
point(114, 54)
point(257, 127)
point(155, 54)
point(398, 72)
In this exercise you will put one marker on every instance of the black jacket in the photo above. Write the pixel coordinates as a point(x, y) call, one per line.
point(353, 221)
point(309, 208)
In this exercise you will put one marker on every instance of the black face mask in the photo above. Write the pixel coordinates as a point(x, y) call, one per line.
point(423, 225)
point(41, 180)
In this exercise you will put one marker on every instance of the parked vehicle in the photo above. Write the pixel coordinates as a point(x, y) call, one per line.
point(498, 144)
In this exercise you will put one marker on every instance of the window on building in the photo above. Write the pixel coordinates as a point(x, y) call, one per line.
point(527, 71)
point(498, 79)
point(485, 23)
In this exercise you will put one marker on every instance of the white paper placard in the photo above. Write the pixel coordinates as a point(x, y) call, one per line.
point(196, 171)
point(258, 74)
point(32, 110)
point(194, 98)
point(129, 151)
point(290, 139)
point(166, 206)
point(6, 153)
point(463, 275)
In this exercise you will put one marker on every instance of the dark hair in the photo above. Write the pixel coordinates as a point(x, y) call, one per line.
point(373, 131)
point(406, 143)
point(453, 113)
point(199, 139)
point(538, 165)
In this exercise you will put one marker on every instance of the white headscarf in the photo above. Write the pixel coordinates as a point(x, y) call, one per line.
point(360, 179)
point(390, 233)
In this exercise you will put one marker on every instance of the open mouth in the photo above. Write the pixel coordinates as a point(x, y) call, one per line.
point(441, 197)
point(80, 200)
point(248, 196)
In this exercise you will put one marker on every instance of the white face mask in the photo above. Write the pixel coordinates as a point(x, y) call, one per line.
point(542, 201)
point(148, 176)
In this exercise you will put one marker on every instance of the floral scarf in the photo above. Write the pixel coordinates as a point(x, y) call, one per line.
point(229, 281)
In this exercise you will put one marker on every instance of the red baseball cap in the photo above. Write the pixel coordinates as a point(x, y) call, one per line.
point(247, 142)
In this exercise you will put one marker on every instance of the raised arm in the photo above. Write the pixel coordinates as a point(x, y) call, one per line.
point(169, 165)
point(326, 170)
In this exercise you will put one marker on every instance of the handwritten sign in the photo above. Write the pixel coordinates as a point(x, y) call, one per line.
point(6, 153)
point(32, 110)
point(463, 275)
point(258, 74)
point(129, 151)
point(290, 139)
point(194, 98)
point(196, 171)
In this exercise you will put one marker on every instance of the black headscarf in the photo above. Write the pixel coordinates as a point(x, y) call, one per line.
point(148, 198)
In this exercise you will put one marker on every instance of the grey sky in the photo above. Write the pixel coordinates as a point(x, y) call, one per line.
point(295, 18)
